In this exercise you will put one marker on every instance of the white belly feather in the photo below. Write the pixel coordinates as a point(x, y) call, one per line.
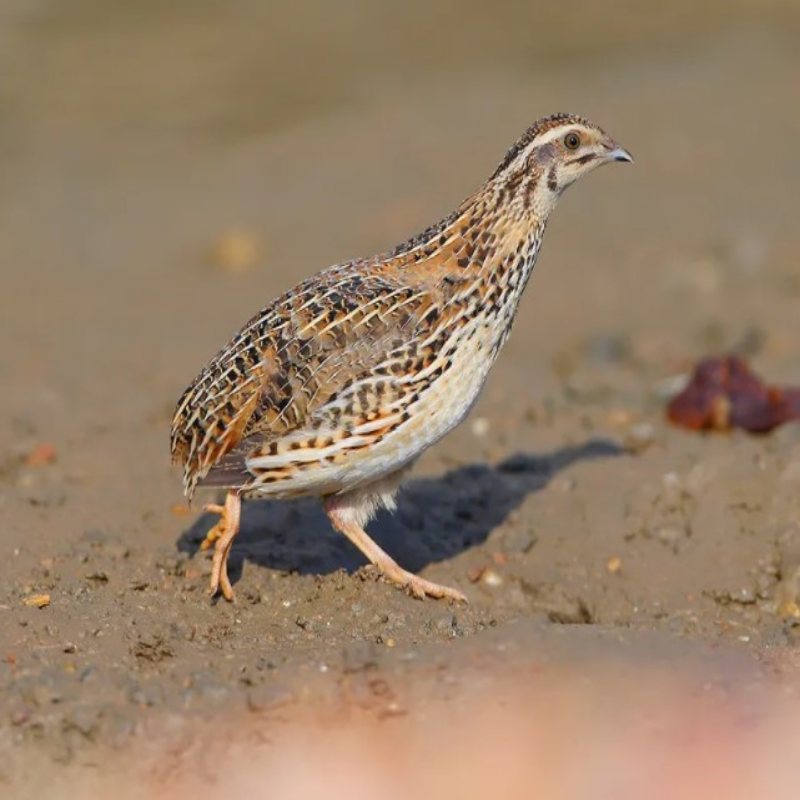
point(439, 409)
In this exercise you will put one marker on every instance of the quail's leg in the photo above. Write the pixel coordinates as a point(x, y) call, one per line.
point(222, 536)
point(345, 518)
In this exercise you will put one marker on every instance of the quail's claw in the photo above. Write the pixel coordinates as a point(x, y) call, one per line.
point(217, 530)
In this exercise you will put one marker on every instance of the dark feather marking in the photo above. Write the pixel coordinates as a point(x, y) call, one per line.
point(583, 159)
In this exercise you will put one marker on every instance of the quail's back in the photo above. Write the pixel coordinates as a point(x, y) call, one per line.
point(336, 387)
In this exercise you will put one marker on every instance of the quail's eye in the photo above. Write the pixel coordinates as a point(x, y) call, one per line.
point(572, 141)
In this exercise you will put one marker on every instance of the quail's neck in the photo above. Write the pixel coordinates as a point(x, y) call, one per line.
point(478, 260)
point(496, 237)
point(497, 229)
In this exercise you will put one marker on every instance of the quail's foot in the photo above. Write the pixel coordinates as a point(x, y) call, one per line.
point(221, 536)
point(418, 587)
point(218, 529)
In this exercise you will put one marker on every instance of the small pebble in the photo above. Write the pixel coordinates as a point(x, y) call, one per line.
point(790, 609)
point(564, 484)
point(619, 418)
point(20, 717)
point(519, 540)
point(446, 624)
point(700, 476)
point(480, 426)
point(672, 386)
point(745, 596)
point(236, 252)
point(606, 349)
point(475, 573)
point(267, 698)
point(670, 536)
point(491, 578)
point(639, 438)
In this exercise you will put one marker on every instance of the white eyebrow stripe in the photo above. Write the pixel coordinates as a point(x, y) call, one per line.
point(544, 138)
point(555, 133)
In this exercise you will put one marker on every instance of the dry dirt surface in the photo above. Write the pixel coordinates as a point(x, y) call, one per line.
point(169, 170)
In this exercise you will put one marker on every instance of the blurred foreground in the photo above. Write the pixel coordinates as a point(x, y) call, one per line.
point(628, 724)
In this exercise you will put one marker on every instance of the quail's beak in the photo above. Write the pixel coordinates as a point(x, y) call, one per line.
point(616, 153)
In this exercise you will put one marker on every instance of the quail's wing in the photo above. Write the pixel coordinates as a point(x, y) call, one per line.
point(321, 359)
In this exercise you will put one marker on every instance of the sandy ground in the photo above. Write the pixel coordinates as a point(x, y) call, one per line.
point(600, 548)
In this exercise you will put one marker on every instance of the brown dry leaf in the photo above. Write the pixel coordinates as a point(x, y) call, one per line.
point(42, 455)
point(180, 510)
point(724, 393)
point(37, 600)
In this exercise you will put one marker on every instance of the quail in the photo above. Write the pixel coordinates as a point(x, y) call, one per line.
point(335, 388)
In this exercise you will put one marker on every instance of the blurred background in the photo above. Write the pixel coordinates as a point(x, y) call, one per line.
point(167, 168)
point(139, 141)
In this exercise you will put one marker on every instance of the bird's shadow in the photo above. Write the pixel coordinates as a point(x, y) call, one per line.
point(436, 518)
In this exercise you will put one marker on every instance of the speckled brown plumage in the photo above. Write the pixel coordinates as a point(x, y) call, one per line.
point(336, 387)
